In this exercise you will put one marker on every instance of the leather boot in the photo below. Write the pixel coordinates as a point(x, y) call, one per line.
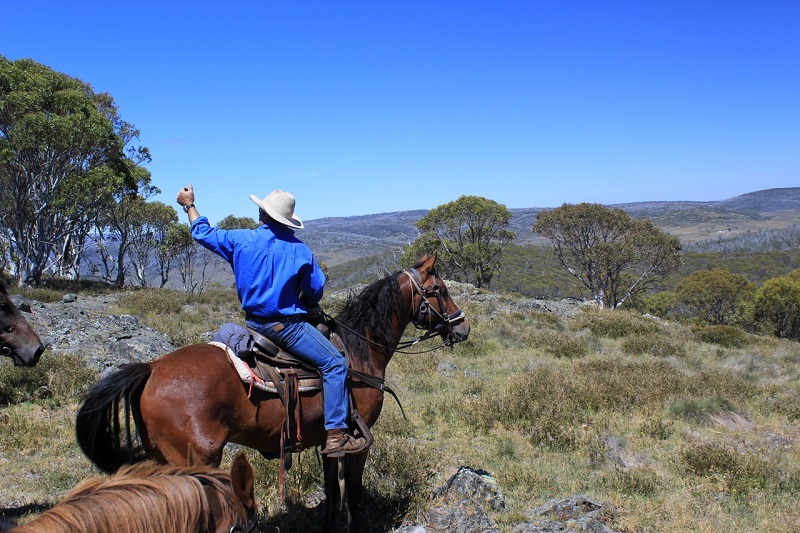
point(339, 443)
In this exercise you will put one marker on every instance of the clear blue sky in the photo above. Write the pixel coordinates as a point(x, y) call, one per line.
point(364, 107)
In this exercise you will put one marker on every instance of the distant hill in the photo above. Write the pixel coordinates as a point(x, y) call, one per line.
point(766, 201)
point(358, 248)
point(342, 239)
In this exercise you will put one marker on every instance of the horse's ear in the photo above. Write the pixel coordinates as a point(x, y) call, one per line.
point(427, 263)
point(243, 481)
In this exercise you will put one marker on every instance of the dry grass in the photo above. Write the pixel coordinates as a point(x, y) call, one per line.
point(676, 430)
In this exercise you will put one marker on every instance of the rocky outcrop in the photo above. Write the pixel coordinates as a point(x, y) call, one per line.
point(464, 504)
point(82, 325)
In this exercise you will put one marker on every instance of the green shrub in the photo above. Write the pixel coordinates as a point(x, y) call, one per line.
point(661, 304)
point(777, 304)
point(741, 473)
point(716, 296)
point(726, 336)
point(707, 459)
point(59, 378)
point(616, 323)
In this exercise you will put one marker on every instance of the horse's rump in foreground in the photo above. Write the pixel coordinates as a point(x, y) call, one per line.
point(17, 338)
point(152, 498)
point(193, 397)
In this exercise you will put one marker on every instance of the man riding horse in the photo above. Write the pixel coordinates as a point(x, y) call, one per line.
point(277, 280)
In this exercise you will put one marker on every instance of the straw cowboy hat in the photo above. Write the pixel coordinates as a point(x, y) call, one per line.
point(280, 206)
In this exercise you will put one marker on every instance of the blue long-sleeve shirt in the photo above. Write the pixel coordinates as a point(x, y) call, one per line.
point(271, 266)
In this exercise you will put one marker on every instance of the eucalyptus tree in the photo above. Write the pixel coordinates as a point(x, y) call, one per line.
point(118, 223)
point(150, 229)
point(467, 235)
point(612, 255)
point(717, 296)
point(59, 140)
point(777, 304)
point(234, 222)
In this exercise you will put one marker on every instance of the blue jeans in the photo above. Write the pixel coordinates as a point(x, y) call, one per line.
point(302, 340)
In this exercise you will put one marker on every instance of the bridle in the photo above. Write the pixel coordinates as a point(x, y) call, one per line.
point(251, 525)
point(425, 313)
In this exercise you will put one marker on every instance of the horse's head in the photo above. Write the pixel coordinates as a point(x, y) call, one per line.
point(17, 339)
point(243, 485)
point(432, 306)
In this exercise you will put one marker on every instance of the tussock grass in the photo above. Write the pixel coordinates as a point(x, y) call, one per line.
point(656, 344)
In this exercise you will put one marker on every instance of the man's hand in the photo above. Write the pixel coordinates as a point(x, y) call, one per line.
point(186, 195)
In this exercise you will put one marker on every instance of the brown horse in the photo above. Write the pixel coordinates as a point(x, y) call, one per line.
point(192, 396)
point(152, 498)
point(17, 339)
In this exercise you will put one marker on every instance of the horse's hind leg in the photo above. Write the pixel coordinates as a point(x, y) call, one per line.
point(174, 425)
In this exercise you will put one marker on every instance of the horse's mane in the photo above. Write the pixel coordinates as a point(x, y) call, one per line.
point(141, 498)
point(370, 311)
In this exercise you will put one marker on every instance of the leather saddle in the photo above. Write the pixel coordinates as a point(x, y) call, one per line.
point(265, 354)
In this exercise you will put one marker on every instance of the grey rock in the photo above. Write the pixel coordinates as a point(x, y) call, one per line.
point(84, 327)
point(446, 368)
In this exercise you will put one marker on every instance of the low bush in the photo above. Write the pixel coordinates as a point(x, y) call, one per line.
point(707, 459)
point(726, 336)
point(616, 323)
point(741, 473)
point(59, 378)
point(661, 304)
point(398, 479)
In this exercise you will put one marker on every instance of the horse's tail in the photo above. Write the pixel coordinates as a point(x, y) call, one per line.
point(105, 439)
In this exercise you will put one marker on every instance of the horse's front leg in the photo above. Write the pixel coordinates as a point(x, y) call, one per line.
point(333, 495)
point(351, 483)
point(354, 483)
